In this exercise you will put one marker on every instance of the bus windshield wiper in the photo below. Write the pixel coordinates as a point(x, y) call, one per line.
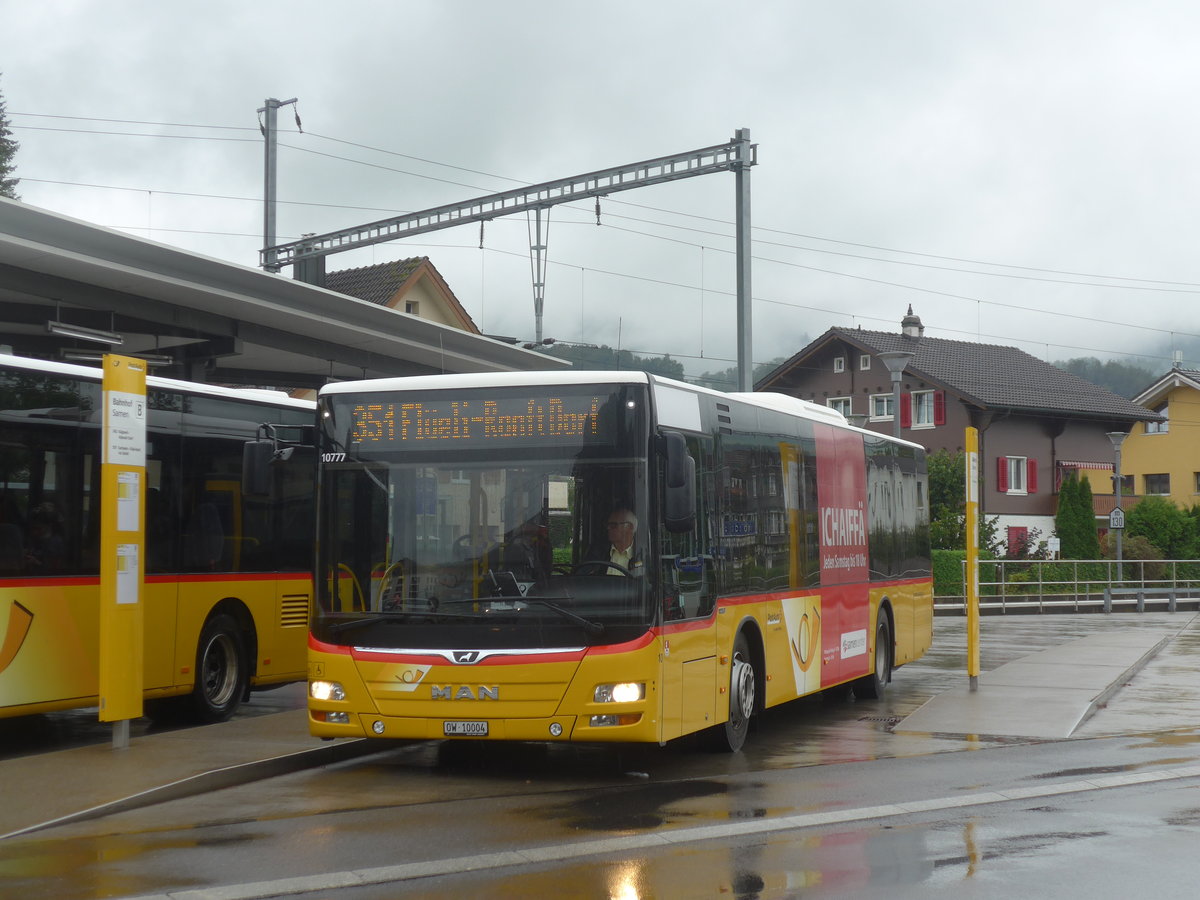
point(588, 625)
point(347, 624)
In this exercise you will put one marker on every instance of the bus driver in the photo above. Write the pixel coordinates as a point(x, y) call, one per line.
point(622, 529)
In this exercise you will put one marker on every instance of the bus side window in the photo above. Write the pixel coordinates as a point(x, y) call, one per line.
point(12, 549)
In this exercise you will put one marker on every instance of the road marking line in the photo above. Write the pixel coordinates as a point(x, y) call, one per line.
point(261, 890)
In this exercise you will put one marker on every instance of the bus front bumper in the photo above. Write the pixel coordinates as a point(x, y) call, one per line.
point(632, 729)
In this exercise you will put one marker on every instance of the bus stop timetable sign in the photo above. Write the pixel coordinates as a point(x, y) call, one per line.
point(122, 542)
point(125, 428)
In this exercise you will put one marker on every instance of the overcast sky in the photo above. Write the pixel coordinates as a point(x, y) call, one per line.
point(1022, 173)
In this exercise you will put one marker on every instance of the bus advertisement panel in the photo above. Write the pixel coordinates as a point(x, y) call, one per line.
point(602, 557)
point(227, 575)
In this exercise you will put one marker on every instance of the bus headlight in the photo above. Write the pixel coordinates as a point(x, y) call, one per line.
point(326, 690)
point(621, 692)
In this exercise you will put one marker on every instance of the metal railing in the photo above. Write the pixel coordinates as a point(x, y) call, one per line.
point(1071, 585)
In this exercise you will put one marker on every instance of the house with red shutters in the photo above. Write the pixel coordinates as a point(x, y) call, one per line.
point(1036, 421)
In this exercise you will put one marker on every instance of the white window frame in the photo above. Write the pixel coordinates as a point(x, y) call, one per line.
point(839, 364)
point(864, 362)
point(838, 402)
point(929, 418)
point(1160, 427)
point(887, 401)
point(1146, 484)
point(1018, 471)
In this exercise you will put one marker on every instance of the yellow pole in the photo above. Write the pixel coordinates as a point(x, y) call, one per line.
point(122, 539)
point(972, 574)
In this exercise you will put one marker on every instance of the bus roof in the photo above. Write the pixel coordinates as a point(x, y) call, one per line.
point(766, 400)
point(485, 379)
point(94, 373)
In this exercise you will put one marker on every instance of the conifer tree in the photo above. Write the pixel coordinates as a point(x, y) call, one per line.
point(8, 156)
point(1075, 521)
point(1089, 538)
point(1064, 518)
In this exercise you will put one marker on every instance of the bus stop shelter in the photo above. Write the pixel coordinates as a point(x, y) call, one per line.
point(72, 290)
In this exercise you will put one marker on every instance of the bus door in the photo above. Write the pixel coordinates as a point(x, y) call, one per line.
point(842, 525)
point(690, 670)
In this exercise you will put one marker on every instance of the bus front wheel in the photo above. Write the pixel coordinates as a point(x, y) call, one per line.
point(222, 670)
point(743, 698)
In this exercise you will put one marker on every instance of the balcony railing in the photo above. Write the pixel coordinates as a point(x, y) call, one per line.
point(1103, 504)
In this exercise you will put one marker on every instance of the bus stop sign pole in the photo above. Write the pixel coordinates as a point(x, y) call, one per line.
point(972, 543)
point(122, 539)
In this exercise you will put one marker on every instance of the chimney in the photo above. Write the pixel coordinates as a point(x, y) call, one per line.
point(911, 325)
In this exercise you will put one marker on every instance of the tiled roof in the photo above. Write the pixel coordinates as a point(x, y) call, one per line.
point(376, 284)
point(1174, 378)
point(988, 375)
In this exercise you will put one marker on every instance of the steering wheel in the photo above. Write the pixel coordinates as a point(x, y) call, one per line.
point(602, 565)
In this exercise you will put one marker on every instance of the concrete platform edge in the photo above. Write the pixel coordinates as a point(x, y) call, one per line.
point(1104, 696)
point(1097, 702)
point(229, 776)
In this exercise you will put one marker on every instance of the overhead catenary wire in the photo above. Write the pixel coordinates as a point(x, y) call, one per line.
point(1017, 271)
point(757, 228)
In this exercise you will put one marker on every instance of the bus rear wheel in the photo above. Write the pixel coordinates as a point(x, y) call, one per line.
point(222, 670)
point(743, 699)
point(872, 686)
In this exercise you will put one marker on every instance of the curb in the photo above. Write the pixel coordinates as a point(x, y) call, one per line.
point(229, 776)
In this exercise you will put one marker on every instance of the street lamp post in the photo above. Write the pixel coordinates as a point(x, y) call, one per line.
point(1117, 438)
point(896, 360)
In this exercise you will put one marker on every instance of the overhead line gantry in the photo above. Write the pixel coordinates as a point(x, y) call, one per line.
point(737, 155)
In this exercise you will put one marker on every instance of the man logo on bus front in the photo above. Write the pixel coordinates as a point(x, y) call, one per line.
point(466, 657)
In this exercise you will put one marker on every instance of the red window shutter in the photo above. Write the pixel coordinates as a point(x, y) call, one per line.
point(1031, 476)
point(939, 408)
point(1018, 539)
point(906, 410)
point(1002, 473)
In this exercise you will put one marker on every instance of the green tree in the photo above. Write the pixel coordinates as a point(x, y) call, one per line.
point(1075, 521)
point(727, 379)
point(606, 358)
point(947, 500)
point(8, 155)
point(1064, 517)
point(1089, 536)
point(1132, 547)
point(948, 506)
point(1121, 378)
point(1164, 524)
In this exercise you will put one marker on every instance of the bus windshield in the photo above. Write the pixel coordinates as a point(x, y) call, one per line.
point(522, 536)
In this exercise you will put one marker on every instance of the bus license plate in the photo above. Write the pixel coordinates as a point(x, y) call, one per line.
point(465, 729)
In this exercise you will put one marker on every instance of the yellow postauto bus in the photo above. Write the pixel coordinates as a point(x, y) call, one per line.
point(227, 575)
point(603, 556)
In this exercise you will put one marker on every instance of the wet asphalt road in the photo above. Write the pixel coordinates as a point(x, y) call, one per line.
point(435, 801)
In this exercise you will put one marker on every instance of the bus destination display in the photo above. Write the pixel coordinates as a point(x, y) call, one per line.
point(477, 421)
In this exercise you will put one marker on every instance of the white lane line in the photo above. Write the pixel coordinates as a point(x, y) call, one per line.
point(331, 881)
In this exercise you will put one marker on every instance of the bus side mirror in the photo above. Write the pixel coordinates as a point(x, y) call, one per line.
point(256, 467)
point(679, 513)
